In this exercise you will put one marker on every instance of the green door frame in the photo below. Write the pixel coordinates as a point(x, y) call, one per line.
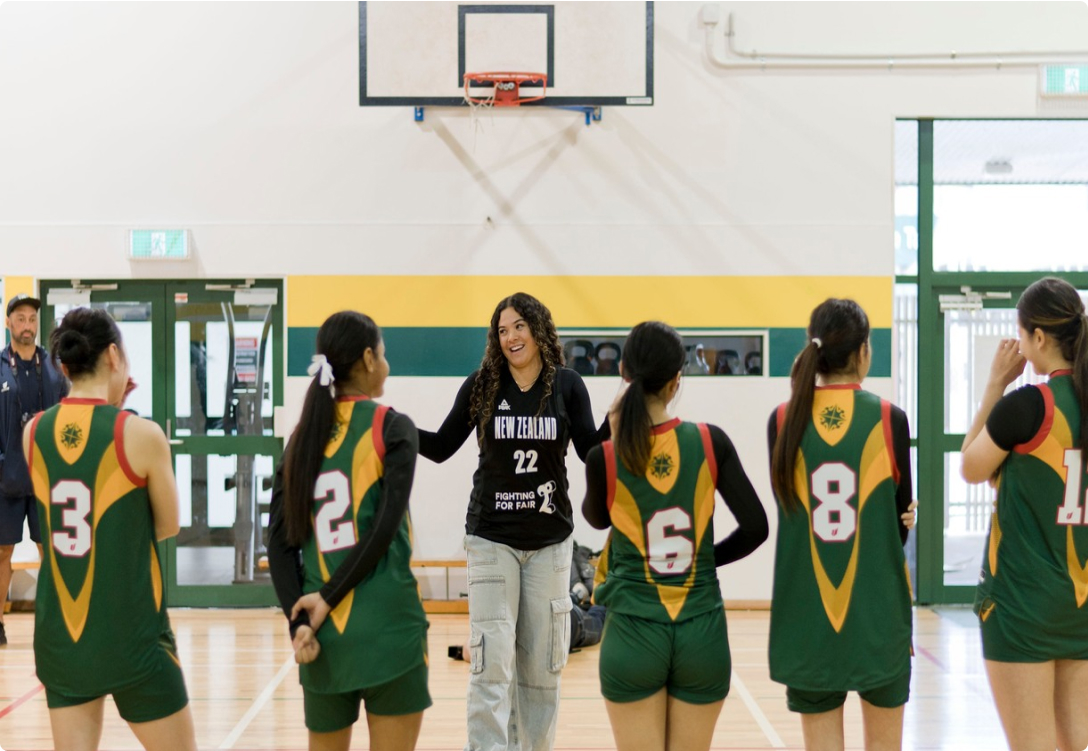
point(933, 443)
point(163, 318)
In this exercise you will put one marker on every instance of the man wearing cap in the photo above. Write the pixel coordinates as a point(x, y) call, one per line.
point(28, 384)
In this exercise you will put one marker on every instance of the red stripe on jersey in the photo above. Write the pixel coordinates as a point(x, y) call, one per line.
point(886, 419)
point(1061, 372)
point(665, 427)
point(80, 400)
point(1048, 422)
point(708, 449)
point(609, 450)
point(780, 416)
point(358, 398)
point(377, 428)
point(119, 447)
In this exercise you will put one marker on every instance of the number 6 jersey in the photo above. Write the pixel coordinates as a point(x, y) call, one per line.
point(100, 613)
point(659, 563)
point(841, 607)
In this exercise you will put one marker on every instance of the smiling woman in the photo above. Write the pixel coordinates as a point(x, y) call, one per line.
point(526, 408)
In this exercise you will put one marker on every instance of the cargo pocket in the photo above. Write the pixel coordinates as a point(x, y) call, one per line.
point(476, 653)
point(560, 632)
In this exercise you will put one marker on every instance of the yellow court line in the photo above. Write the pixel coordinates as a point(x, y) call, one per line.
point(587, 301)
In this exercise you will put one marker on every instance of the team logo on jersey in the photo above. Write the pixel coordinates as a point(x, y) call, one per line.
point(661, 466)
point(833, 417)
point(337, 431)
point(546, 490)
point(504, 405)
point(71, 435)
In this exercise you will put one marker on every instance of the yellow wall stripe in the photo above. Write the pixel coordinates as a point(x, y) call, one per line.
point(18, 285)
point(586, 301)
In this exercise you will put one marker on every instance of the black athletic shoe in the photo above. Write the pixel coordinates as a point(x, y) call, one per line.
point(3, 636)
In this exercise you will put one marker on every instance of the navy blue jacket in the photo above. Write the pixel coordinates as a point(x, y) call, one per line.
point(14, 476)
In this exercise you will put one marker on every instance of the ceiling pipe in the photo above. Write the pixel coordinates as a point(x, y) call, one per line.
point(710, 17)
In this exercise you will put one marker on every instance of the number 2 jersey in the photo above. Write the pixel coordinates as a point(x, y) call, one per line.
point(1034, 578)
point(100, 611)
point(660, 560)
point(841, 606)
point(358, 555)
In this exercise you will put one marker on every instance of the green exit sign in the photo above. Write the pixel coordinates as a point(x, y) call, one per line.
point(158, 244)
point(1065, 80)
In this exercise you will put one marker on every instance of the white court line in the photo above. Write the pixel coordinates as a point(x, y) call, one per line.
point(757, 713)
point(258, 704)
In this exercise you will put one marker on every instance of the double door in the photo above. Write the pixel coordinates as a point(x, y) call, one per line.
point(207, 358)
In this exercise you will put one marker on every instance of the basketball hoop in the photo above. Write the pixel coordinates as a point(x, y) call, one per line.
point(505, 88)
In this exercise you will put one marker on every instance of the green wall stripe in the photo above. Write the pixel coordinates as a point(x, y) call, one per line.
point(457, 351)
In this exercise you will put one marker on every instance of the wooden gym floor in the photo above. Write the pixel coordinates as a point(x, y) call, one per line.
point(243, 684)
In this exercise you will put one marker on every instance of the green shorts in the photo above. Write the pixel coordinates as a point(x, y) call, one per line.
point(888, 696)
point(406, 694)
point(690, 658)
point(159, 695)
point(1010, 642)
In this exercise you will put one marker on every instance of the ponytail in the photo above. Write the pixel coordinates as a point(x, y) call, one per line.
point(837, 331)
point(635, 439)
point(1080, 380)
point(342, 341)
point(305, 453)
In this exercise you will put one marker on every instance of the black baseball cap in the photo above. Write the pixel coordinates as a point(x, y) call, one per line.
point(18, 300)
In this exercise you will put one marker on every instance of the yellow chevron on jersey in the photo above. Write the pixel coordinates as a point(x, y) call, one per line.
point(156, 578)
point(366, 469)
point(73, 427)
point(111, 484)
point(1051, 451)
point(627, 520)
point(995, 542)
point(875, 468)
point(832, 413)
point(664, 466)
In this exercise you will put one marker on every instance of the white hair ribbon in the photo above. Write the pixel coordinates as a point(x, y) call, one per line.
point(320, 367)
point(817, 342)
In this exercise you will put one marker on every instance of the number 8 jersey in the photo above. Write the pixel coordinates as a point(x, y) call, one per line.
point(100, 613)
point(841, 607)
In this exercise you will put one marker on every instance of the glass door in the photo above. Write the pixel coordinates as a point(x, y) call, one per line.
point(209, 365)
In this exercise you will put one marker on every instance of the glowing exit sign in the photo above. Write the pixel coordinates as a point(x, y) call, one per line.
point(158, 244)
point(1064, 80)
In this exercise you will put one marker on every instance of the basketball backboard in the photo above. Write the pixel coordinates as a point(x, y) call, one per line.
point(594, 53)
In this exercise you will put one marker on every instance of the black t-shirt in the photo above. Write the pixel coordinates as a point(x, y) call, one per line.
point(733, 485)
point(519, 490)
point(1016, 417)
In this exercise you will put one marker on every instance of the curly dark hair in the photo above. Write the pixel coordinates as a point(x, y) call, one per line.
point(542, 327)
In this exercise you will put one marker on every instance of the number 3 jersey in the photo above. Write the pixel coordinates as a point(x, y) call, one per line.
point(841, 606)
point(1034, 578)
point(658, 563)
point(377, 632)
point(100, 613)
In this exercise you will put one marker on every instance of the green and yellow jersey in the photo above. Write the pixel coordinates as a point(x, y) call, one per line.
point(377, 631)
point(100, 614)
point(1034, 577)
point(841, 606)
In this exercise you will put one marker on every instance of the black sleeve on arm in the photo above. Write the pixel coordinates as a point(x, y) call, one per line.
point(741, 498)
point(1016, 418)
point(584, 434)
point(772, 434)
point(440, 446)
point(284, 560)
point(401, 448)
point(904, 493)
point(595, 505)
